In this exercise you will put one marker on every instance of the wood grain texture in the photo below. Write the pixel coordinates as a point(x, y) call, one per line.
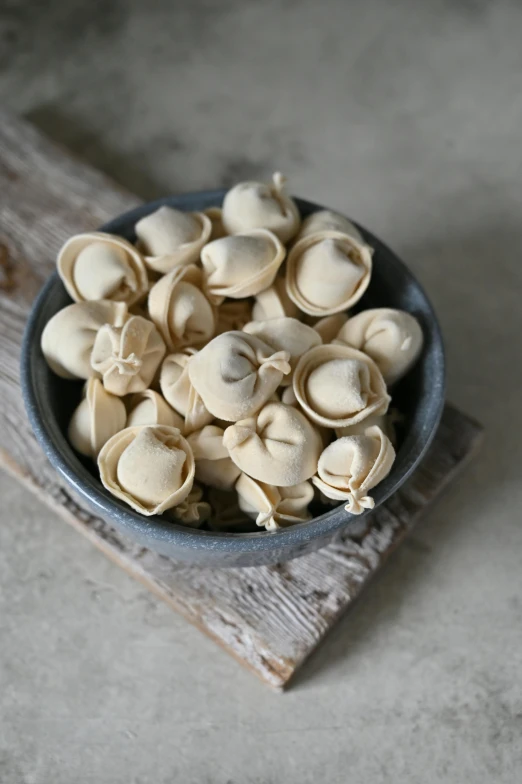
point(269, 618)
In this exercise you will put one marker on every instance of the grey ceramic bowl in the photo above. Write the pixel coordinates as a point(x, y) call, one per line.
point(50, 401)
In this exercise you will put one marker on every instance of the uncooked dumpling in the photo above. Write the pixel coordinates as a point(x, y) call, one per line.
point(349, 467)
point(180, 310)
point(274, 302)
point(236, 373)
point(150, 468)
point(278, 445)
point(339, 386)
point(241, 266)
point(97, 418)
point(193, 511)
point(274, 507)
point(68, 338)
point(327, 220)
point(127, 357)
point(170, 238)
point(327, 272)
point(385, 422)
point(149, 408)
point(179, 392)
point(258, 205)
point(214, 466)
point(98, 266)
point(285, 334)
point(392, 338)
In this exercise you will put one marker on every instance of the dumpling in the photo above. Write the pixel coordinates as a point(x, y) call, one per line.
point(68, 337)
point(150, 468)
point(127, 357)
point(236, 373)
point(339, 386)
point(216, 218)
point(274, 507)
point(214, 466)
point(149, 408)
point(193, 511)
point(170, 238)
point(329, 326)
point(278, 445)
point(349, 467)
point(178, 391)
point(327, 272)
point(98, 266)
point(274, 302)
point(285, 334)
point(233, 315)
point(258, 205)
point(180, 310)
point(392, 338)
point(327, 220)
point(241, 266)
point(97, 418)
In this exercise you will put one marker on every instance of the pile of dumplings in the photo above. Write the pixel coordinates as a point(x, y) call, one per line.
point(225, 383)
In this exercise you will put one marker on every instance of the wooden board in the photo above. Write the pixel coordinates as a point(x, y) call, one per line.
point(269, 618)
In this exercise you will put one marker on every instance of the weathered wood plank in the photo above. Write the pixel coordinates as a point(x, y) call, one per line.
point(269, 618)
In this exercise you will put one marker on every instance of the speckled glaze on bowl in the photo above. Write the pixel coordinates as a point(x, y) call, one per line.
point(50, 401)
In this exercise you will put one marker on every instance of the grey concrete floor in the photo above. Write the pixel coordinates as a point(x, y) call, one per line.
point(408, 116)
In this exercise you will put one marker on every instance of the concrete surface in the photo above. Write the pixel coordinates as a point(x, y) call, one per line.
point(408, 116)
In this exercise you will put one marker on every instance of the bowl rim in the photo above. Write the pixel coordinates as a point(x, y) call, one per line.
point(180, 537)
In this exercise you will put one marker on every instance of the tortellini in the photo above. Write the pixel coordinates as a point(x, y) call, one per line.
point(179, 392)
point(285, 334)
point(338, 386)
point(150, 408)
point(278, 446)
point(127, 357)
point(351, 466)
point(327, 272)
point(236, 373)
point(258, 205)
point(274, 507)
point(102, 266)
point(97, 418)
point(214, 466)
point(392, 338)
point(180, 310)
point(241, 266)
point(150, 468)
point(169, 238)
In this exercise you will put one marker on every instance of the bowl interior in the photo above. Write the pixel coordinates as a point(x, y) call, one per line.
point(419, 397)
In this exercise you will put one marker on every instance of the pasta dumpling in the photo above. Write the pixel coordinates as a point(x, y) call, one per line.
point(96, 419)
point(327, 272)
point(180, 310)
point(242, 265)
point(258, 205)
point(98, 266)
point(127, 357)
point(274, 507)
point(179, 392)
point(236, 373)
point(285, 334)
point(68, 337)
point(392, 338)
point(327, 220)
point(351, 466)
point(274, 302)
point(170, 238)
point(278, 445)
point(149, 468)
point(339, 386)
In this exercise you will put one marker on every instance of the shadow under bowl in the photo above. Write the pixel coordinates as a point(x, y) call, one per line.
point(51, 400)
